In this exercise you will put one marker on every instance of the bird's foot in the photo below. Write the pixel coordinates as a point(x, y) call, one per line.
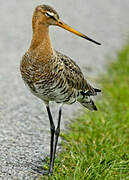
point(46, 172)
point(50, 172)
point(43, 171)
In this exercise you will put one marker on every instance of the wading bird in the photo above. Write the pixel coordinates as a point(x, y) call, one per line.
point(52, 76)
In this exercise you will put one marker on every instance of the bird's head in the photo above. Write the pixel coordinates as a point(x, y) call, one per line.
point(47, 16)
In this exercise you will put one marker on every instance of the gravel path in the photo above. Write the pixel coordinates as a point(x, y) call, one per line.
point(24, 126)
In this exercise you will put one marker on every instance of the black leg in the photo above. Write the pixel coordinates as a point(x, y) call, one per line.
point(52, 129)
point(57, 132)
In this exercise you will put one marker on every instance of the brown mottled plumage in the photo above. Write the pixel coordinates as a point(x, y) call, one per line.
point(52, 76)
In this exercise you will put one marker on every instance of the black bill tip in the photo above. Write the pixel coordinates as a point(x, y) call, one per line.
point(89, 39)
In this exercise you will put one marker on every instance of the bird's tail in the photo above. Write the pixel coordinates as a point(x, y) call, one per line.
point(85, 100)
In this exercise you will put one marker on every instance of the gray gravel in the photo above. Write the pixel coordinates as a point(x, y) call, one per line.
point(24, 126)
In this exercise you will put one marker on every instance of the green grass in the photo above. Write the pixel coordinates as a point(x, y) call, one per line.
point(97, 144)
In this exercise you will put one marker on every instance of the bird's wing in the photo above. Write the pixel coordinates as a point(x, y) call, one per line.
point(74, 76)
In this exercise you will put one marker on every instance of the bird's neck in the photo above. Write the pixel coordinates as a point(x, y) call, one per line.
point(40, 43)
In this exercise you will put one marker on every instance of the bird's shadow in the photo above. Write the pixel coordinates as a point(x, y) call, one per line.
point(37, 166)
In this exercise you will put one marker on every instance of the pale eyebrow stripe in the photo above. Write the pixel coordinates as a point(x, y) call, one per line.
point(51, 13)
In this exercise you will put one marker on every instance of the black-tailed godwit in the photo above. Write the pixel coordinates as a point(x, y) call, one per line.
point(52, 76)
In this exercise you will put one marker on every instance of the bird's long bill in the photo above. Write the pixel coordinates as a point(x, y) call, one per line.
point(68, 28)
